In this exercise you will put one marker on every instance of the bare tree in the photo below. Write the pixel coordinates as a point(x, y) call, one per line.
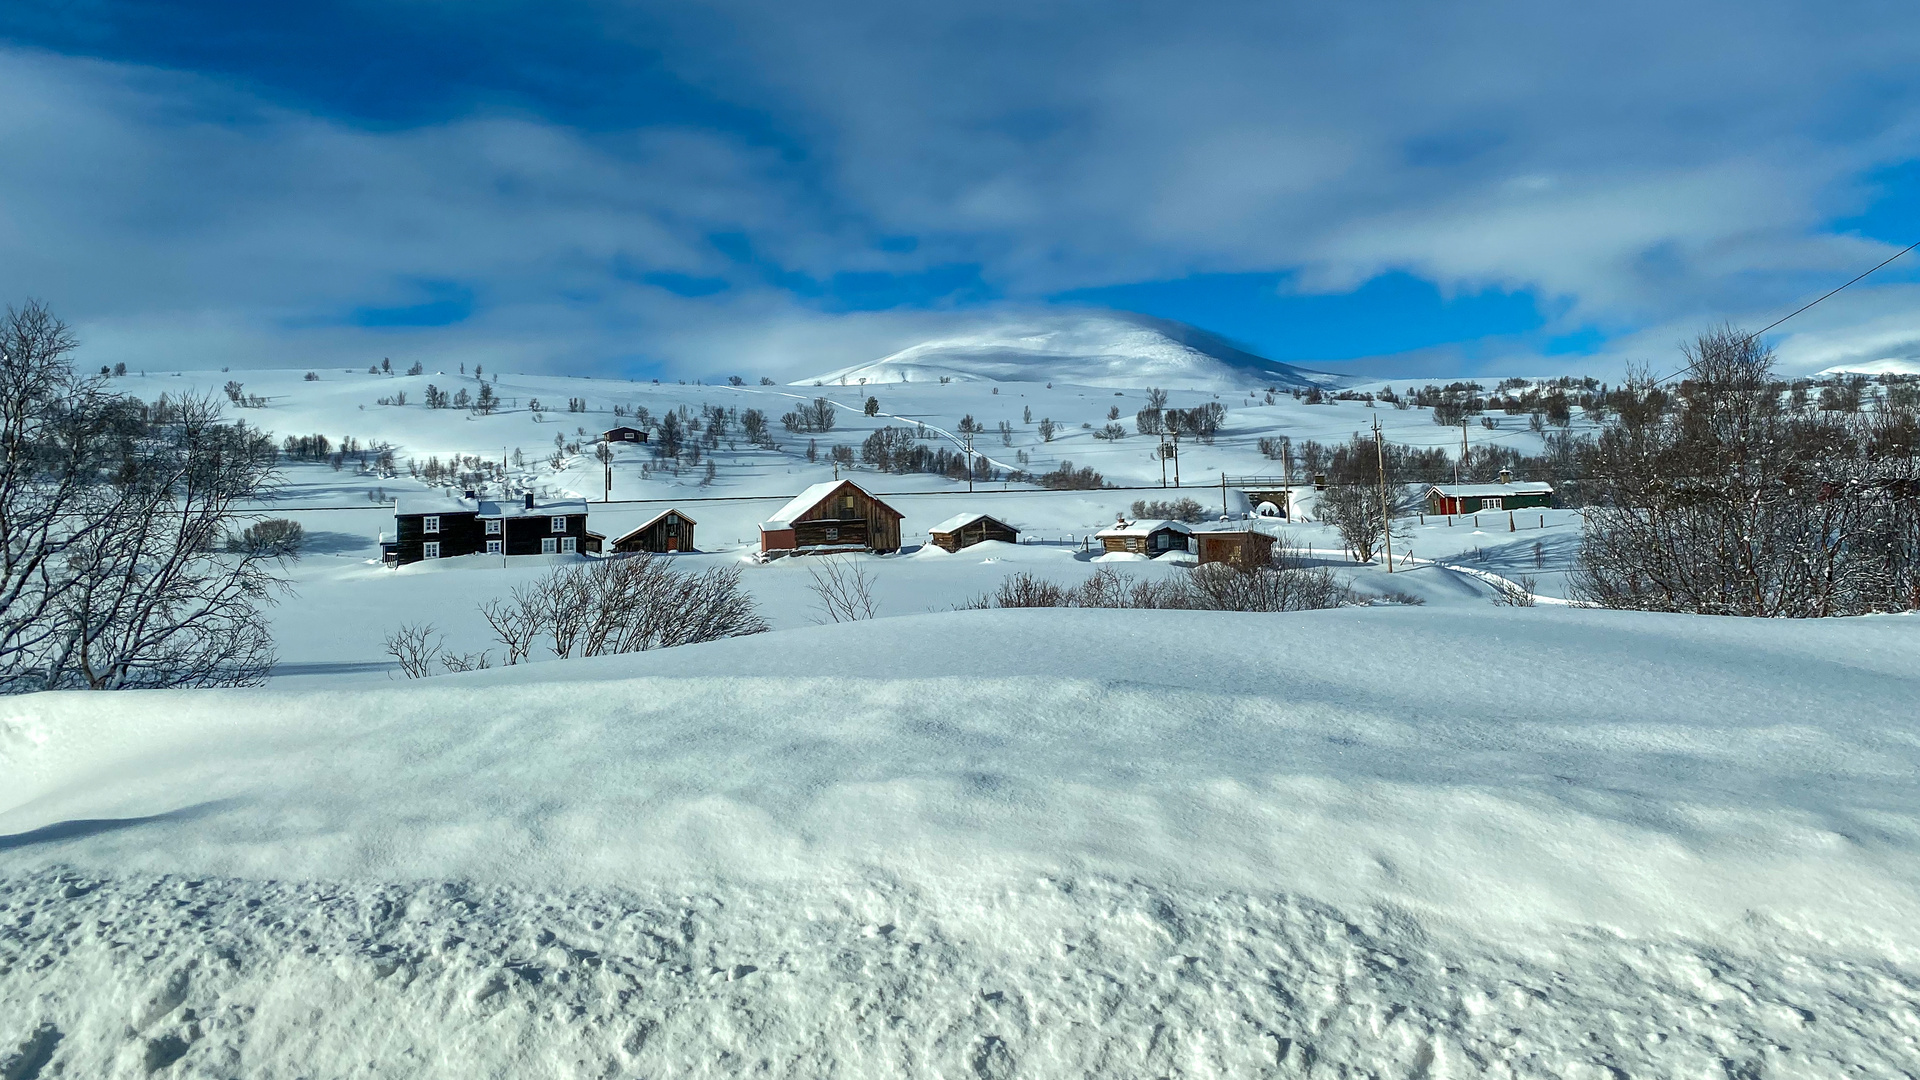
point(114, 516)
point(844, 589)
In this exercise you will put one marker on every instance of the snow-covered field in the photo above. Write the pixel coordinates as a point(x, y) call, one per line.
point(1441, 841)
point(1446, 840)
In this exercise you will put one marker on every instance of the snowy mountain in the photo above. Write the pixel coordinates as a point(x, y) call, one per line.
point(1892, 365)
point(1108, 348)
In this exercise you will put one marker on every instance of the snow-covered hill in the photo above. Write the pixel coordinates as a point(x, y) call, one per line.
point(1107, 349)
point(1415, 842)
point(1892, 365)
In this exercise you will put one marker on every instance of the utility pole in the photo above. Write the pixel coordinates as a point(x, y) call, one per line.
point(1462, 463)
point(1176, 458)
point(966, 435)
point(1162, 453)
point(1386, 510)
point(1286, 472)
point(1224, 512)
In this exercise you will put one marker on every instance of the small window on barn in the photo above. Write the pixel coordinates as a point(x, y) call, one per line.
point(493, 526)
point(846, 505)
point(558, 524)
point(833, 533)
point(430, 523)
point(1493, 502)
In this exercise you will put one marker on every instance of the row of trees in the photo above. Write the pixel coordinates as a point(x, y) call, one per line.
point(1288, 583)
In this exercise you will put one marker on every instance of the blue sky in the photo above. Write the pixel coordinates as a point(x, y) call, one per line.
point(661, 187)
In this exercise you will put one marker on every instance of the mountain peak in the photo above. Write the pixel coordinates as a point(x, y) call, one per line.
point(1097, 348)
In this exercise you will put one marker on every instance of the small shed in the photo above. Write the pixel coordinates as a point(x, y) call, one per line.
point(1150, 538)
point(1477, 498)
point(966, 530)
point(1237, 543)
point(833, 516)
point(623, 434)
point(670, 530)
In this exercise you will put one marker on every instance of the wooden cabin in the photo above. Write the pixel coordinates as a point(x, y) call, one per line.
point(837, 515)
point(966, 530)
point(437, 527)
point(623, 435)
point(1238, 544)
point(1459, 499)
point(670, 530)
point(1150, 538)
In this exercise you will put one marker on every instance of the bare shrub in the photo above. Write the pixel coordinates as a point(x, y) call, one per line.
point(1517, 593)
point(1181, 509)
point(417, 648)
point(630, 604)
point(844, 588)
point(274, 538)
point(1287, 584)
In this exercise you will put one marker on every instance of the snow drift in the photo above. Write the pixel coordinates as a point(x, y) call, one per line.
point(1110, 349)
point(1525, 842)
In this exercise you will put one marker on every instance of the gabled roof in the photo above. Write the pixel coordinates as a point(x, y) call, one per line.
point(961, 521)
point(1143, 528)
point(433, 504)
point(513, 508)
point(1477, 491)
point(798, 506)
point(655, 520)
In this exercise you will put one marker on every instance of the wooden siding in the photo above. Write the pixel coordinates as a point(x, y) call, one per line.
point(672, 532)
point(847, 517)
point(973, 532)
point(459, 535)
point(1243, 550)
point(1150, 545)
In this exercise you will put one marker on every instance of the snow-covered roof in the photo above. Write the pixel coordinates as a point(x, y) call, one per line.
point(1263, 526)
point(509, 508)
point(433, 504)
point(1143, 528)
point(500, 508)
point(655, 520)
point(1476, 491)
point(797, 506)
point(961, 521)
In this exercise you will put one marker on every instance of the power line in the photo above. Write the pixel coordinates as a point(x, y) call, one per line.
point(1808, 304)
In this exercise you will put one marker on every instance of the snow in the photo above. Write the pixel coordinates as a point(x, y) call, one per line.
point(1447, 840)
point(1037, 843)
point(1144, 528)
point(1891, 365)
point(958, 521)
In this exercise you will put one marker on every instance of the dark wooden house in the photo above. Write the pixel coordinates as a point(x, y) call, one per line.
point(623, 435)
point(1150, 538)
point(838, 515)
point(1238, 544)
point(669, 530)
point(1481, 498)
point(437, 527)
point(966, 530)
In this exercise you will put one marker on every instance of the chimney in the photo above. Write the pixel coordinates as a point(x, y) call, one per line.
point(529, 500)
point(1506, 476)
point(469, 493)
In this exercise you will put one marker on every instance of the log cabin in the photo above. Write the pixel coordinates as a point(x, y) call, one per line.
point(670, 530)
point(442, 527)
point(1150, 538)
point(833, 516)
point(1237, 543)
point(966, 530)
point(623, 434)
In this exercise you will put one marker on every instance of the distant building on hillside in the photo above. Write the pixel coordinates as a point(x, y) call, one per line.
point(623, 434)
point(1239, 544)
point(1476, 498)
point(670, 530)
point(1150, 538)
point(440, 527)
point(834, 516)
point(966, 530)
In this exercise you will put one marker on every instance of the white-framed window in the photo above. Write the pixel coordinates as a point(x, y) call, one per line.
point(547, 545)
point(569, 544)
point(493, 547)
point(558, 524)
point(493, 526)
point(430, 549)
point(1493, 502)
point(430, 523)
